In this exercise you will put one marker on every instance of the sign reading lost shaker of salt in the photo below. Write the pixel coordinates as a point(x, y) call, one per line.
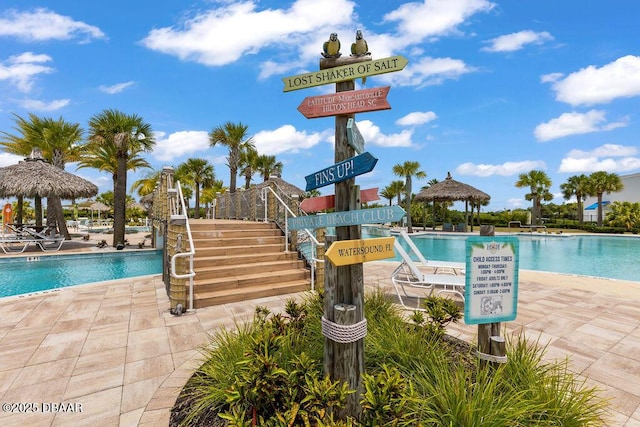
point(491, 289)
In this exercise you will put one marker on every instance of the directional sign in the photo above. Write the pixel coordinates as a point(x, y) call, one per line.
point(345, 72)
point(354, 137)
point(348, 102)
point(315, 204)
point(348, 252)
point(342, 219)
point(344, 170)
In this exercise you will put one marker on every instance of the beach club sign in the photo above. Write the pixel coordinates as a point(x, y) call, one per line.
point(347, 218)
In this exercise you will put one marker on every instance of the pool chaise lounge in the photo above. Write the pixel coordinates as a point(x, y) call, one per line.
point(20, 238)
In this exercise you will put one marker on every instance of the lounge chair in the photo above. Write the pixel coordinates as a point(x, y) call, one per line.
point(453, 267)
point(407, 275)
point(461, 227)
point(447, 226)
point(45, 239)
point(14, 244)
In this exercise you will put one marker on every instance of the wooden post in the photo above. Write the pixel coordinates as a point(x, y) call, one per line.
point(320, 250)
point(490, 343)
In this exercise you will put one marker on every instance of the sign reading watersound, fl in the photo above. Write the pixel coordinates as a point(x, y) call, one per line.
point(343, 219)
point(491, 288)
point(349, 252)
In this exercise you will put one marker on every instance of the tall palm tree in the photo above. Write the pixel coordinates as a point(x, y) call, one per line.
point(397, 188)
point(388, 193)
point(196, 172)
point(147, 183)
point(234, 137)
point(577, 185)
point(539, 183)
point(603, 182)
point(408, 170)
point(268, 166)
point(248, 165)
point(126, 136)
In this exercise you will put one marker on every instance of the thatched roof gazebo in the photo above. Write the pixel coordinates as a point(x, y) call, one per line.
point(451, 190)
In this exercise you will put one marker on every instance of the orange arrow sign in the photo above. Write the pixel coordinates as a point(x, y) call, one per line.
point(321, 203)
point(348, 252)
point(348, 102)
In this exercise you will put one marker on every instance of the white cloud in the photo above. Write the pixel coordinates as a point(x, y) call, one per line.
point(286, 139)
point(505, 169)
point(551, 77)
point(429, 72)
point(22, 70)
point(7, 159)
point(575, 124)
point(42, 24)
point(374, 136)
point(116, 88)
point(591, 85)
point(33, 104)
point(417, 118)
point(516, 41)
point(179, 144)
point(609, 157)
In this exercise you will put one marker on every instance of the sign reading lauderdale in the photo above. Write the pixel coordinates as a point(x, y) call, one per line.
point(345, 72)
point(349, 252)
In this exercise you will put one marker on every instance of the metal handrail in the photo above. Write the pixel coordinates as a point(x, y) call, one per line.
point(288, 211)
point(190, 275)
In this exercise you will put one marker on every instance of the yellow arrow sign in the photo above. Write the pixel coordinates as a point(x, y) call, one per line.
point(345, 72)
point(348, 252)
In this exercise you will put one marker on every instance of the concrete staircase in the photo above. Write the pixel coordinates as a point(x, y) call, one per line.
point(242, 260)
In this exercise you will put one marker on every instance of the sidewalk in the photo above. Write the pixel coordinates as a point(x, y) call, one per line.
point(112, 350)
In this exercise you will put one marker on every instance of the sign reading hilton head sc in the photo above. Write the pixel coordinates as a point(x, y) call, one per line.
point(342, 171)
point(343, 219)
point(343, 103)
point(491, 288)
point(348, 252)
point(343, 73)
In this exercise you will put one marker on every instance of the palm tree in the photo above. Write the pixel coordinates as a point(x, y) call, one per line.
point(603, 182)
point(408, 170)
point(539, 183)
point(577, 185)
point(624, 214)
point(211, 191)
point(248, 165)
point(234, 137)
point(388, 193)
point(268, 165)
point(196, 172)
point(396, 188)
point(126, 136)
point(147, 183)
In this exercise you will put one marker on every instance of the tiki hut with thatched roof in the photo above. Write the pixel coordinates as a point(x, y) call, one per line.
point(451, 190)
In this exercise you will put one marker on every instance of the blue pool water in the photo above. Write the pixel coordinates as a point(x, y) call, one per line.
point(22, 275)
point(613, 257)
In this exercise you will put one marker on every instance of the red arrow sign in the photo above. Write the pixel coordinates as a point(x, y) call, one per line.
point(348, 102)
point(321, 203)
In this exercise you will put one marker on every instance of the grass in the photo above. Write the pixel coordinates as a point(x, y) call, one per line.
point(269, 372)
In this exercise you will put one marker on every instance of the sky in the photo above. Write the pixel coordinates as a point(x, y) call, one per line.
point(492, 89)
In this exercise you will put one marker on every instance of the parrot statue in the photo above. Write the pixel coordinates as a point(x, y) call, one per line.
point(359, 48)
point(331, 48)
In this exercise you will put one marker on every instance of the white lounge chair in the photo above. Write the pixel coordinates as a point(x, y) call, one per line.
point(454, 267)
point(407, 275)
point(44, 240)
point(13, 244)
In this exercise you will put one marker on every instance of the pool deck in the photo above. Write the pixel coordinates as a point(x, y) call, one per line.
point(113, 351)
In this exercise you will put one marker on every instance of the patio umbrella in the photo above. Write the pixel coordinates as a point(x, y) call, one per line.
point(35, 178)
point(451, 190)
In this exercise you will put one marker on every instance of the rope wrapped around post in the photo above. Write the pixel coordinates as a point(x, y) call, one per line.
point(344, 333)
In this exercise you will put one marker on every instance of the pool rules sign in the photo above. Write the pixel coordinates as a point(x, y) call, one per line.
point(491, 289)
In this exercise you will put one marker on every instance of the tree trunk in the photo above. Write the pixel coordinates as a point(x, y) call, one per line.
point(120, 202)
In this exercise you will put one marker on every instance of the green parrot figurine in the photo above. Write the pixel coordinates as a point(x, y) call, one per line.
point(359, 48)
point(331, 48)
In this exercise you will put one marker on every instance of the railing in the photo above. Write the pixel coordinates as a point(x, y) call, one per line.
point(178, 210)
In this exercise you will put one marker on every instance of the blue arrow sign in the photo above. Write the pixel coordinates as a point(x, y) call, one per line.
point(354, 137)
point(344, 170)
point(341, 219)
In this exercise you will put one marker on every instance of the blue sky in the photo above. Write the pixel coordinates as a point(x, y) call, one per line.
point(492, 89)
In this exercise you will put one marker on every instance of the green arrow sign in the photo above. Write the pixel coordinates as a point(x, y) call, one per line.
point(345, 72)
point(341, 219)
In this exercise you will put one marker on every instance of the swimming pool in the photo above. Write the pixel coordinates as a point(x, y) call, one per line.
point(613, 257)
point(22, 275)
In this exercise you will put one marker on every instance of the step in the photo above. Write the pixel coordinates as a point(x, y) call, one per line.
point(237, 241)
point(207, 299)
point(217, 271)
point(197, 225)
point(238, 250)
point(249, 280)
point(243, 258)
point(213, 234)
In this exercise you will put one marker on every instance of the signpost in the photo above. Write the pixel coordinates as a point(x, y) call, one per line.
point(341, 171)
point(344, 73)
point(354, 137)
point(320, 203)
point(347, 218)
point(348, 252)
point(356, 101)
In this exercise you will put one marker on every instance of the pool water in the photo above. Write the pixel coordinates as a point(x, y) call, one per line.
point(21, 275)
point(613, 257)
